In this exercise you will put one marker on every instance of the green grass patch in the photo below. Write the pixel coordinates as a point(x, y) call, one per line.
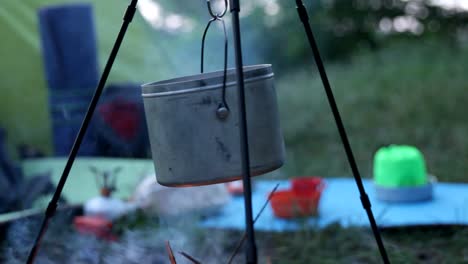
point(407, 93)
point(356, 245)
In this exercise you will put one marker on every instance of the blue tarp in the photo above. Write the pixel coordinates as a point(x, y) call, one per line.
point(341, 204)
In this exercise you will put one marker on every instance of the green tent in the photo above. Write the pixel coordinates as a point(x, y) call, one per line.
point(143, 57)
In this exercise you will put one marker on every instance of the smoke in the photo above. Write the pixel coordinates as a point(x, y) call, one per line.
point(142, 244)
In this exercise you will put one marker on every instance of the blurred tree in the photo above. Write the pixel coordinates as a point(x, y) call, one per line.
point(344, 26)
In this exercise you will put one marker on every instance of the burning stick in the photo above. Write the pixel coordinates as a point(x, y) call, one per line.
point(194, 261)
point(170, 253)
point(239, 245)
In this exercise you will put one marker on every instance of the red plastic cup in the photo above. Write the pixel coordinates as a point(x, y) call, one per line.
point(301, 200)
point(283, 203)
point(307, 185)
point(308, 191)
point(288, 204)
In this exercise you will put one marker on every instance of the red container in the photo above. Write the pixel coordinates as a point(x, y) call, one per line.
point(307, 185)
point(93, 225)
point(302, 200)
point(287, 204)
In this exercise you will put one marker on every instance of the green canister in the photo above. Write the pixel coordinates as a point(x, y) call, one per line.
point(399, 166)
point(400, 175)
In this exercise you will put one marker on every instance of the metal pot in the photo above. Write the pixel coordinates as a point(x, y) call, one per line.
point(195, 139)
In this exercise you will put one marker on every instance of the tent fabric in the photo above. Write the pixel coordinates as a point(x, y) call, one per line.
point(81, 184)
point(25, 111)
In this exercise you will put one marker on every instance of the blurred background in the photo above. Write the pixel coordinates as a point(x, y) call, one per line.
point(398, 69)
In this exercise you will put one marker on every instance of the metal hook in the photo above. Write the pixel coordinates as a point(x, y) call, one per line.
point(216, 15)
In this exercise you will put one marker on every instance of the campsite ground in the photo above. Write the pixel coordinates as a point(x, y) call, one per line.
point(146, 244)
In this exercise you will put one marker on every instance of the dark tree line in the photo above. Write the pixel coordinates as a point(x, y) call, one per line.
point(344, 26)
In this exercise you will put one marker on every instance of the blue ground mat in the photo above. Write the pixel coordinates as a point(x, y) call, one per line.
point(341, 204)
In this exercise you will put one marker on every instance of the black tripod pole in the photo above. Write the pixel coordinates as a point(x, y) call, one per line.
point(304, 17)
point(251, 253)
point(52, 207)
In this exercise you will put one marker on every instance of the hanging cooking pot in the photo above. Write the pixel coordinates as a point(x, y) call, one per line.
point(194, 136)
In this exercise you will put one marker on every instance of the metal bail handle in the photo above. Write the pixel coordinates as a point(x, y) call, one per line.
point(222, 112)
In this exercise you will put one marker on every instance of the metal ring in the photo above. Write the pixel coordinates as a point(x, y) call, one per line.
point(216, 15)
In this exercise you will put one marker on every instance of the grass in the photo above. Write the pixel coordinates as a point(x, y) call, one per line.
point(407, 93)
point(355, 245)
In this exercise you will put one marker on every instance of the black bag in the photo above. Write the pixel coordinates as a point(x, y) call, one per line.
point(17, 192)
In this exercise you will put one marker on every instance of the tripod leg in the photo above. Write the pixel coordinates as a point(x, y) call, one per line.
point(304, 17)
point(251, 253)
point(52, 207)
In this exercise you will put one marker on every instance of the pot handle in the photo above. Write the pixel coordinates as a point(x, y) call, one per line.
point(223, 110)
